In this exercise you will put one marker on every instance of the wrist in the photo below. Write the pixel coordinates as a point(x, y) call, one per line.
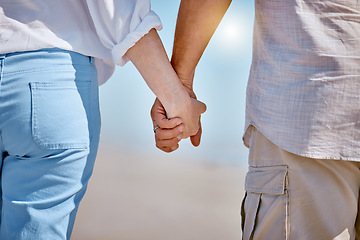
point(176, 103)
point(185, 75)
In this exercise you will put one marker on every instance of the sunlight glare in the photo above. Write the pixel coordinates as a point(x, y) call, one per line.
point(233, 33)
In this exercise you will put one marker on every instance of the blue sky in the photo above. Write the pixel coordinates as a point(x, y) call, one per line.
point(220, 82)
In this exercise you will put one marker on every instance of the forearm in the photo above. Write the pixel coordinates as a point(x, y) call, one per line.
point(196, 23)
point(149, 57)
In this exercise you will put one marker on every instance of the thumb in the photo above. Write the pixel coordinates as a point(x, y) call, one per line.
point(200, 106)
point(195, 139)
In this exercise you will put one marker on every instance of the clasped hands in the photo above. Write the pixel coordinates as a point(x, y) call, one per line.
point(170, 130)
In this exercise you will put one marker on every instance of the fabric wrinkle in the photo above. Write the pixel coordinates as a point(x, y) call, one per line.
point(305, 69)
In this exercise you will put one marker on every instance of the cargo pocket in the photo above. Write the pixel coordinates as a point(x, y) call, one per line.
point(265, 207)
point(59, 114)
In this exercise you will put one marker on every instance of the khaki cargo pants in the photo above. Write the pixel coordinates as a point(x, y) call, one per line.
point(298, 198)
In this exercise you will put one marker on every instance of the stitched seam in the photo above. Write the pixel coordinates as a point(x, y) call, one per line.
point(287, 217)
point(47, 68)
point(1, 70)
point(1, 79)
point(1, 143)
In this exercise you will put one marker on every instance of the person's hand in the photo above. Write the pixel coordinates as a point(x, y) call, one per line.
point(188, 83)
point(168, 132)
point(189, 110)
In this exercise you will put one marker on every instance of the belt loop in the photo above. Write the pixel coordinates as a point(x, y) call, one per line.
point(91, 59)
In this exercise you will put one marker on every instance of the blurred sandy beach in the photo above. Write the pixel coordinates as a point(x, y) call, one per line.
point(137, 197)
point(141, 194)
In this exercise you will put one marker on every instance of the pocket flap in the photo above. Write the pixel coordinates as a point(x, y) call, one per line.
point(268, 180)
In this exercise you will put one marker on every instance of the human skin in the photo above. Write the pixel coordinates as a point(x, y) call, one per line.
point(196, 23)
point(149, 57)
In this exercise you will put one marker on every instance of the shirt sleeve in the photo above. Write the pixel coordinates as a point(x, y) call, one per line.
point(119, 24)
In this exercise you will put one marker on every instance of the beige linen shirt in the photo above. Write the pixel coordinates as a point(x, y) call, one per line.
point(304, 87)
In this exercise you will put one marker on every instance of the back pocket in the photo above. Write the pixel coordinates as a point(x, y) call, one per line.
point(59, 114)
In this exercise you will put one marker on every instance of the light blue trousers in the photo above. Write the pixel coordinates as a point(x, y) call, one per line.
point(49, 134)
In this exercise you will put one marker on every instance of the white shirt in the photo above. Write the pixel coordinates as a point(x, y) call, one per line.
point(304, 86)
point(104, 29)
